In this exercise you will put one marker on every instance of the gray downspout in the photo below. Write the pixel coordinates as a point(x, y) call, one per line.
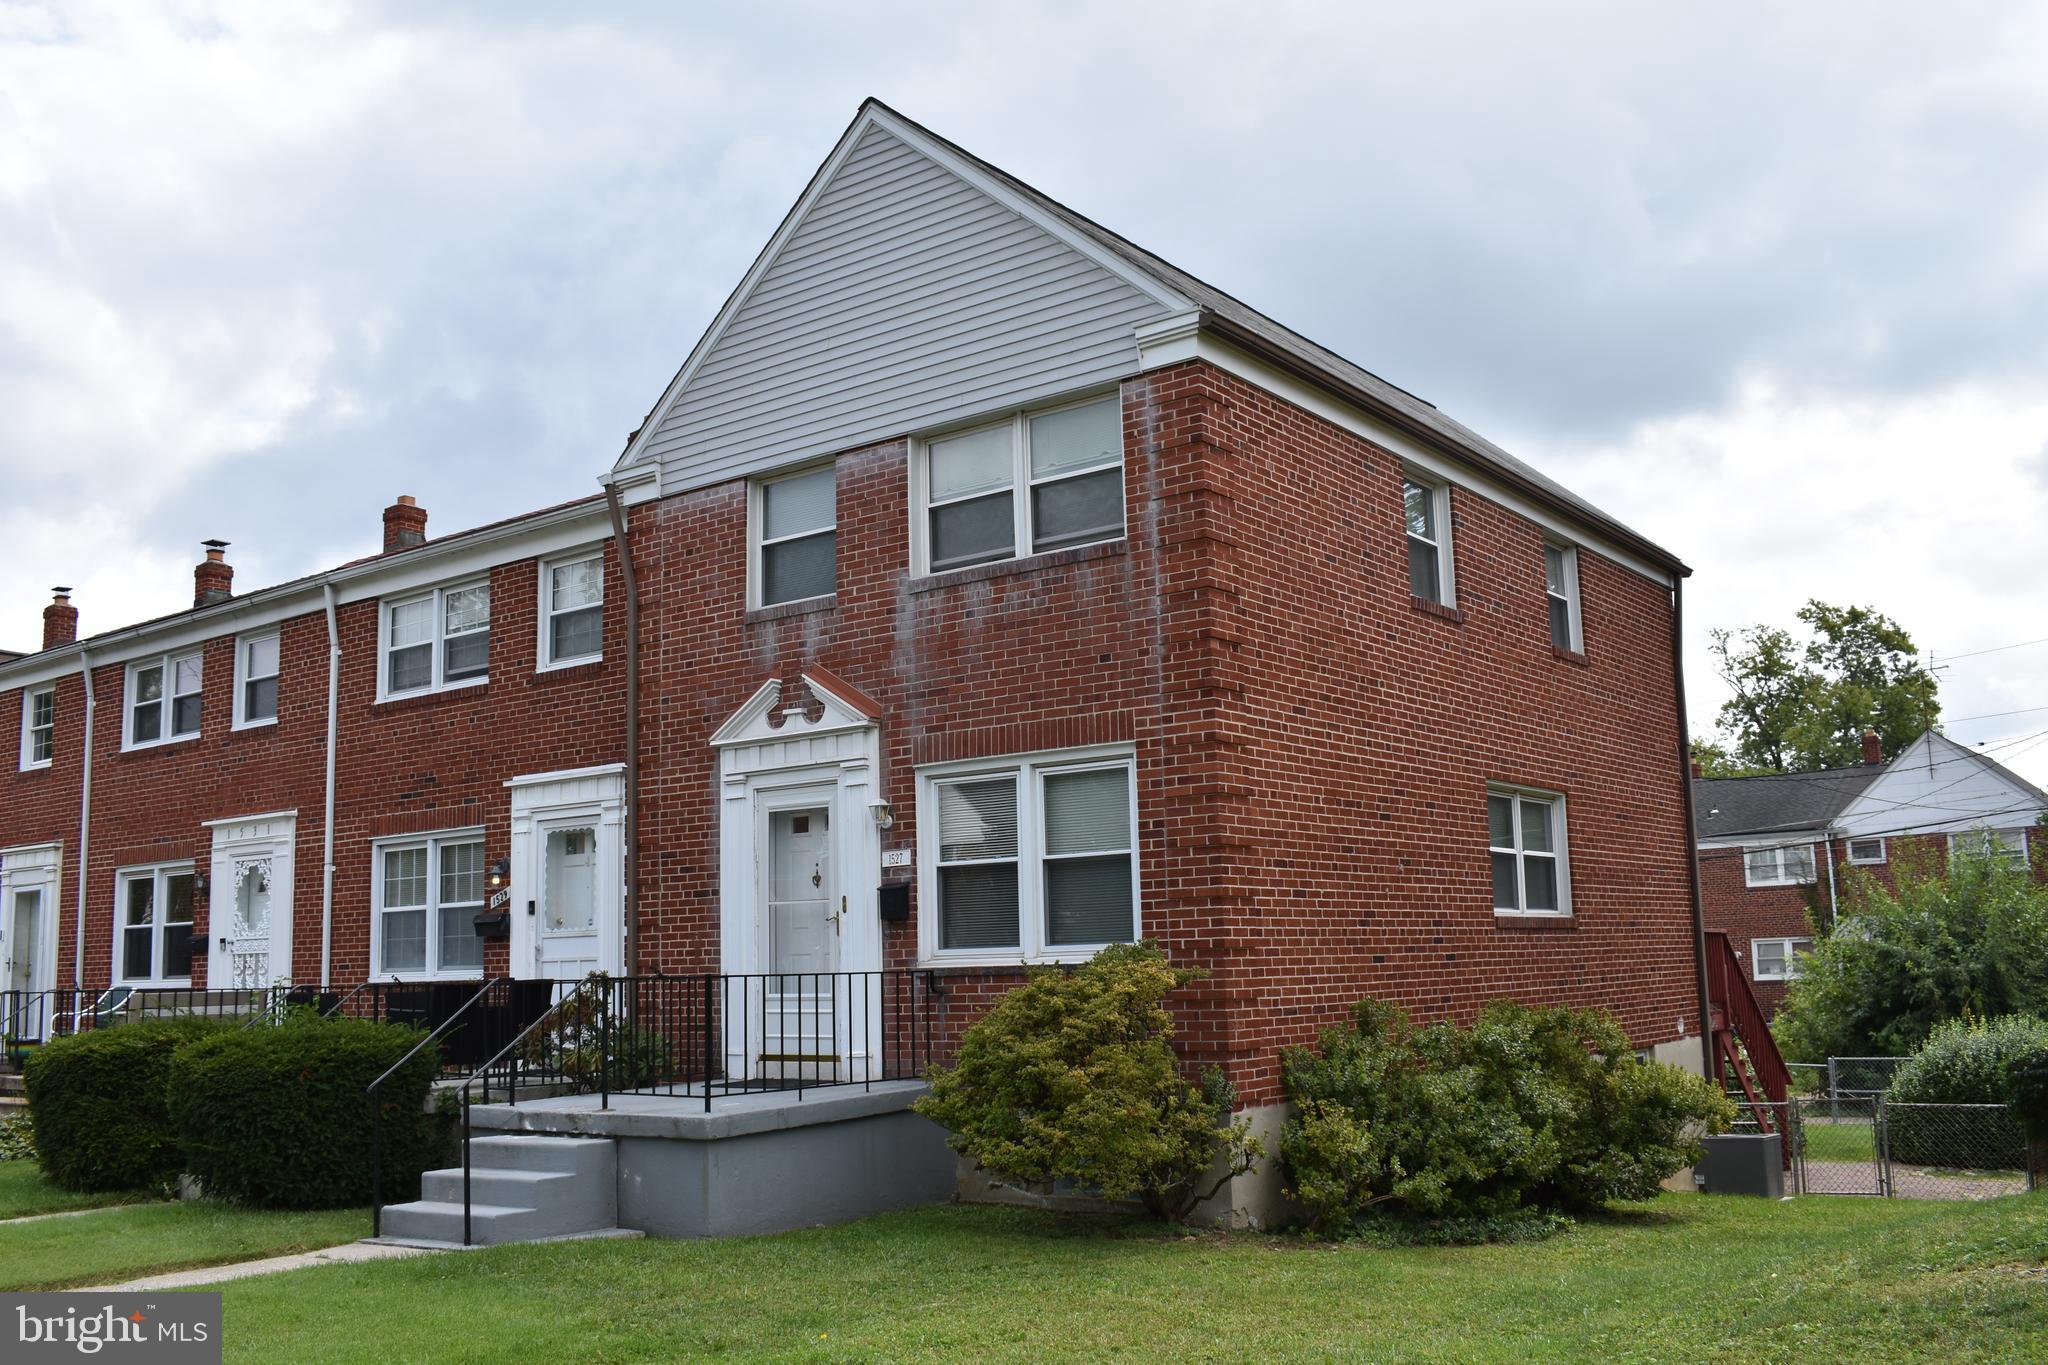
point(84, 825)
point(327, 811)
point(628, 571)
point(1692, 841)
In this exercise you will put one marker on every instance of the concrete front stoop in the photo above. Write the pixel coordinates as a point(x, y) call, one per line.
point(523, 1188)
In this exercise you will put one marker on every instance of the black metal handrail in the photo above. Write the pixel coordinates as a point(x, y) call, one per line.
point(433, 1039)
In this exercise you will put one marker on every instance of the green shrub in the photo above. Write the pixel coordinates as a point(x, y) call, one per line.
point(1073, 1076)
point(1388, 1227)
point(17, 1138)
point(1963, 1062)
point(278, 1118)
point(1527, 1107)
point(97, 1102)
point(2030, 1091)
point(585, 1036)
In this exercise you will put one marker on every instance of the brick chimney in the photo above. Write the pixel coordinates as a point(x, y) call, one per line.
point(1873, 747)
point(1697, 770)
point(405, 524)
point(213, 579)
point(60, 620)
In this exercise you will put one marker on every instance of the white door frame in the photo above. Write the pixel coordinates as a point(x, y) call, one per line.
point(595, 797)
point(32, 867)
point(244, 846)
point(775, 757)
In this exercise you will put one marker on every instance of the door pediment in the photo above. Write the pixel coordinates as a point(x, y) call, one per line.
point(767, 716)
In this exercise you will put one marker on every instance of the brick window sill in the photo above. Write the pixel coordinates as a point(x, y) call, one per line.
point(1005, 568)
point(428, 699)
point(1570, 656)
point(1437, 609)
point(1564, 923)
point(783, 610)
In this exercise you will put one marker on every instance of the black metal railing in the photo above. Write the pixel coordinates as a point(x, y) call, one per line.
point(28, 1017)
point(712, 1036)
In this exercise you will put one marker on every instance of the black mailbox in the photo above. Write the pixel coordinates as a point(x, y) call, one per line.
point(493, 924)
point(894, 900)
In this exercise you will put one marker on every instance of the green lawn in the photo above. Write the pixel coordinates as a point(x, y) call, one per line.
point(24, 1190)
point(128, 1243)
point(1686, 1278)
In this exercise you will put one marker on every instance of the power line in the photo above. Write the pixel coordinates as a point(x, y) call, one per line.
point(1996, 649)
point(1994, 715)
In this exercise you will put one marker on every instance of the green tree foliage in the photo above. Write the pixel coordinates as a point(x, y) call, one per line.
point(1803, 701)
point(1954, 942)
point(1527, 1107)
point(1965, 1061)
point(1073, 1076)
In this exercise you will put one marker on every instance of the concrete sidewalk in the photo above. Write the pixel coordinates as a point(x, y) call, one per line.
point(214, 1274)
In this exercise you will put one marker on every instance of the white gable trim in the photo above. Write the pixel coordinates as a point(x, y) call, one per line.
point(755, 721)
point(1938, 786)
point(873, 115)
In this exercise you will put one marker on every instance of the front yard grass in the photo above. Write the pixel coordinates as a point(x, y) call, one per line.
point(25, 1190)
point(128, 1243)
point(1687, 1277)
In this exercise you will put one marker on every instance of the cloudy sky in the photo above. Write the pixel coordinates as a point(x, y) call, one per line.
point(1769, 282)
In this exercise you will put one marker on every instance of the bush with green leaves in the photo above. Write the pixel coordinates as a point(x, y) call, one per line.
point(1528, 1107)
point(1072, 1076)
point(277, 1117)
point(17, 1138)
point(1963, 1062)
point(1960, 937)
point(97, 1101)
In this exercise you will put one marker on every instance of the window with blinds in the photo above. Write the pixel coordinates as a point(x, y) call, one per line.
point(1033, 859)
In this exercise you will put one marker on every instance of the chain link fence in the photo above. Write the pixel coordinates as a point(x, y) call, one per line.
point(1866, 1145)
point(1861, 1075)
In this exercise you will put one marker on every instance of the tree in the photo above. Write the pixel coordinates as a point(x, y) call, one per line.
point(1955, 943)
point(1802, 704)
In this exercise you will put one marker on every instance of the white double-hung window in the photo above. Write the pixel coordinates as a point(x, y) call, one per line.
point(796, 537)
point(572, 610)
point(38, 727)
point(428, 891)
point(153, 917)
point(1778, 865)
point(256, 668)
point(163, 699)
point(2002, 845)
point(1777, 959)
point(1526, 843)
point(1426, 509)
point(1561, 593)
point(436, 639)
point(1029, 859)
point(1035, 482)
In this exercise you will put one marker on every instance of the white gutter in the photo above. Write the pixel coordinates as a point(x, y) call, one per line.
point(327, 810)
point(84, 824)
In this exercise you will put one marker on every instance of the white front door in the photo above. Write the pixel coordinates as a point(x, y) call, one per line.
point(568, 899)
point(802, 914)
point(247, 940)
point(25, 939)
point(251, 901)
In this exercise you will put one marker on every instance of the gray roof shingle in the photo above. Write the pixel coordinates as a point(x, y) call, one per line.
point(1776, 802)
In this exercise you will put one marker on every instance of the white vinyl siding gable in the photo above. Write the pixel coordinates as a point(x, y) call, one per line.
point(905, 298)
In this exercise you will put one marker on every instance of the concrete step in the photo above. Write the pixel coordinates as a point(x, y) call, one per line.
point(432, 1220)
point(540, 1152)
point(548, 1191)
point(522, 1188)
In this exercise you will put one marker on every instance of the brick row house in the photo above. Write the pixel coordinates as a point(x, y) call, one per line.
point(981, 591)
point(1776, 849)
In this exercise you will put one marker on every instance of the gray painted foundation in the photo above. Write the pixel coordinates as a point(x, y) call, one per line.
point(754, 1163)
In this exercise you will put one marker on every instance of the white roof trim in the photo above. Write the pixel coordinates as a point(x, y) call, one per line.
point(873, 115)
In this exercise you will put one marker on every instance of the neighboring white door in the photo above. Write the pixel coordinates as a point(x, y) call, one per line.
point(804, 1016)
point(24, 940)
point(252, 901)
point(568, 886)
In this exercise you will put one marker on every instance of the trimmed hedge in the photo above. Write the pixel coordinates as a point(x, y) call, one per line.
point(1964, 1062)
point(276, 1117)
point(97, 1101)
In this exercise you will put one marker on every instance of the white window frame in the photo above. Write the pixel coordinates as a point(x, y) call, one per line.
point(1030, 772)
point(160, 874)
point(243, 677)
point(1780, 877)
point(1575, 627)
point(166, 703)
point(433, 843)
point(1561, 855)
point(1789, 968)
point(1021, 484)
point(438, 645)
point(1440, 504)
point(758, 541)
point(29, 761)
point(544, 647)
point(1850, 843)
point(2009, 844)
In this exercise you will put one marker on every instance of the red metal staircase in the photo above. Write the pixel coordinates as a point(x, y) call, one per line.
point(1744, 1051)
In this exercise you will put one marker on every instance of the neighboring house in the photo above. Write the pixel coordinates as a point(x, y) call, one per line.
point(986, 562)
point(1773, 849)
